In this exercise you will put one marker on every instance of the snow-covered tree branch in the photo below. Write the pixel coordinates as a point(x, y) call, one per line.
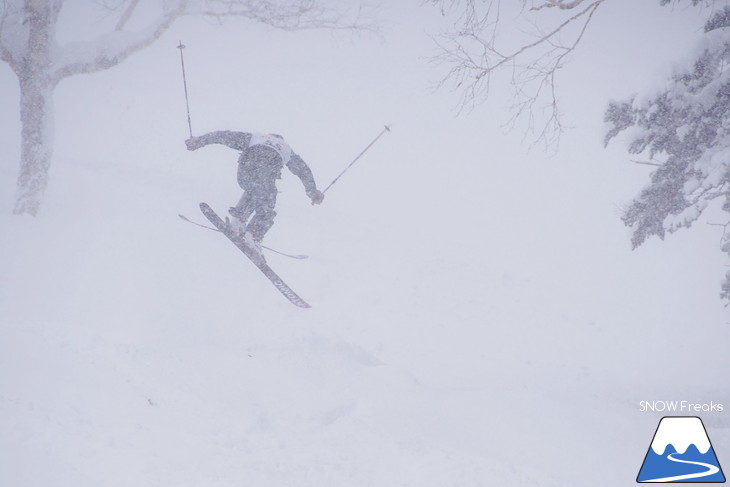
point(299, 15)
point(28, 44)
point(113, 48)
point(561, 4)
point(687, 123)
point(6, 23)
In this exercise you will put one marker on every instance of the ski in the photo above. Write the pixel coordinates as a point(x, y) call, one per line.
point(291, 256)
point(257, 260)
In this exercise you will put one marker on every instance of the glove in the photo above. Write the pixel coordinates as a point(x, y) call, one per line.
point(317, 197)
point(193, 143)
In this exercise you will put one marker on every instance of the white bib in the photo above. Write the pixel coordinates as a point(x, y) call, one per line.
point(276, 143)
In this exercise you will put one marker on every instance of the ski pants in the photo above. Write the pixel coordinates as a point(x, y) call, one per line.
point(258, 199)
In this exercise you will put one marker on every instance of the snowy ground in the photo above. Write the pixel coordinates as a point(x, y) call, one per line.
point(478, 317)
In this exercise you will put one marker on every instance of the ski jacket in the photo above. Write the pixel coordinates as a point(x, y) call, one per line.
point(262, 150)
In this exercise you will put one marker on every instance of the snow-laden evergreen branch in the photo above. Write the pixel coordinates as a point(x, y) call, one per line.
point(688, 123)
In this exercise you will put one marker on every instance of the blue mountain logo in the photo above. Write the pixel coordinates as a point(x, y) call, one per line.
point(681, 452)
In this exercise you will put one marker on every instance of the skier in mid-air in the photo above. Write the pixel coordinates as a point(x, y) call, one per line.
point(259, 166)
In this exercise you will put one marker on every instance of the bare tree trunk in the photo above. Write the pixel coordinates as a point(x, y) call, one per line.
point(36, 104)
point(36, 116)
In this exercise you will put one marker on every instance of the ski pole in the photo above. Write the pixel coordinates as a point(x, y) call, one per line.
point(181, 46)
point(386, 129)
point(292, 256)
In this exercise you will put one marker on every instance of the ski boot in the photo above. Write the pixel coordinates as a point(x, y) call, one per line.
point(237, 227)
point(250, 242)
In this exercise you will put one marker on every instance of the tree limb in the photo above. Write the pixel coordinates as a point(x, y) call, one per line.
point(559, 4)
point(473, 56)
point(126, 15)
point(299, 15)
point(113, 48)
point(6, 53)
point(647, 163)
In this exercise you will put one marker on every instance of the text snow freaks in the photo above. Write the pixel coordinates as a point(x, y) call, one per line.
point(679, 407)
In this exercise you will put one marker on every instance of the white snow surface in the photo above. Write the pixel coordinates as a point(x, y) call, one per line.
point(478, 318)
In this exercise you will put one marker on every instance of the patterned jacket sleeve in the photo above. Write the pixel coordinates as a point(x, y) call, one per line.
point(300, 169)
point(234, 140)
